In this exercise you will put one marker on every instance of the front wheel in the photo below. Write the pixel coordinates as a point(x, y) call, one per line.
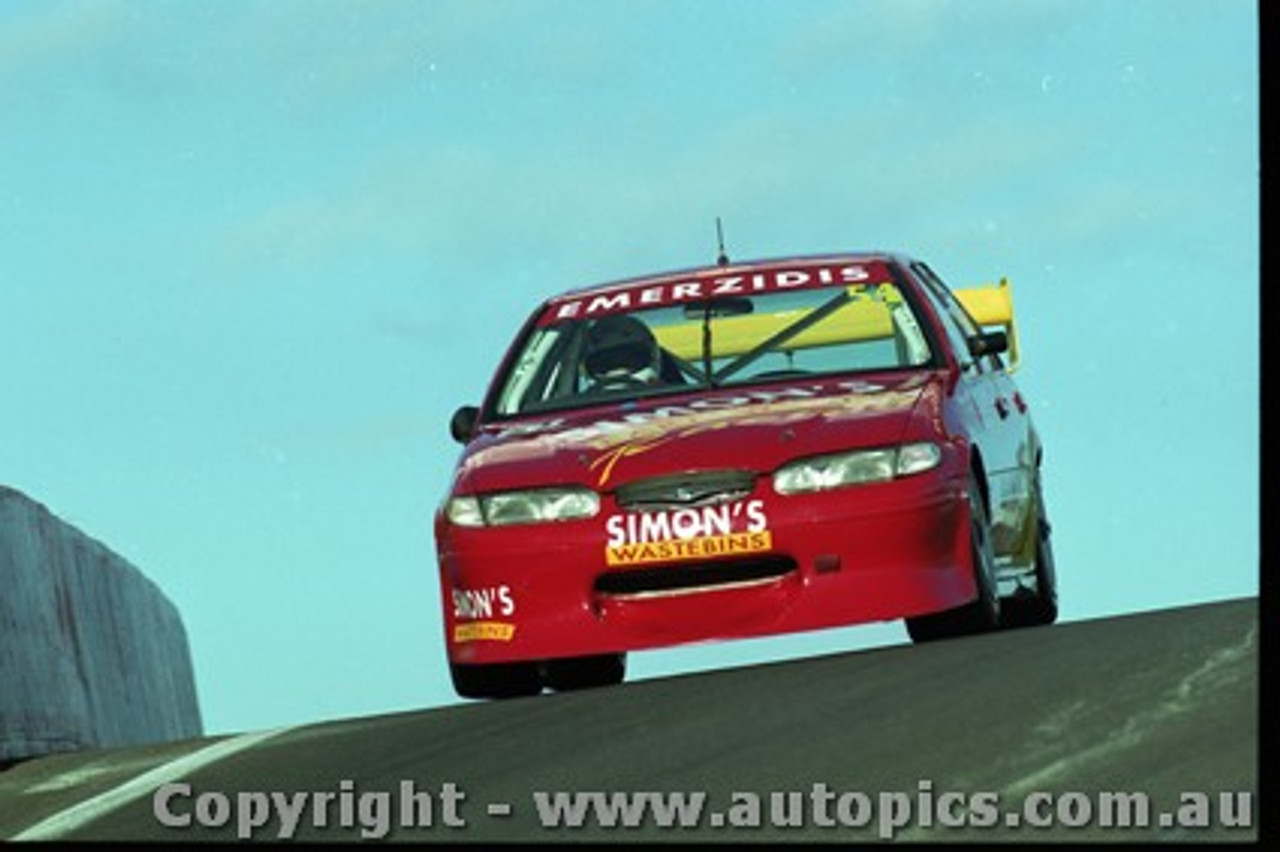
point(981, 614)
point(495, 680)
point(563, 675)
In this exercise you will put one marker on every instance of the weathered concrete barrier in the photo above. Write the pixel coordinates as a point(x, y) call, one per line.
point(92, 654)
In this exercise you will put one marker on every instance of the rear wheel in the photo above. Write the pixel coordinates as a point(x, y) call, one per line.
point(1030, 609)
point(495, 680)
point(573, 673)
point(982, 613)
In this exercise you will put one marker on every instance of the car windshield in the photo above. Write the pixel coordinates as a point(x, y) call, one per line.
point(719, 342)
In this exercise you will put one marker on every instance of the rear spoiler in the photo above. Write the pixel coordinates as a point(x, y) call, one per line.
point(992, 305)
point(859, 319)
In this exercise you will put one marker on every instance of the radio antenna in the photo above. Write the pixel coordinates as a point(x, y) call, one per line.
point(722, 259)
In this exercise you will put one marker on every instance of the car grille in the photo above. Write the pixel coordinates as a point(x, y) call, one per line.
point(672, 579)
point(704, 488)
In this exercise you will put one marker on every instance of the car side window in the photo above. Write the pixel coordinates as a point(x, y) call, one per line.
point(955, 311)
point(958, 324)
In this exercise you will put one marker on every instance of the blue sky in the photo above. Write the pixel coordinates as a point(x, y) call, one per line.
point(253, 253)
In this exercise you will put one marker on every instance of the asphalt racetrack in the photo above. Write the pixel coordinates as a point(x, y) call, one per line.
point(1137, 727)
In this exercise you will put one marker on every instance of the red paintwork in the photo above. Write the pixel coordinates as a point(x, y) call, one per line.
point(862, 553)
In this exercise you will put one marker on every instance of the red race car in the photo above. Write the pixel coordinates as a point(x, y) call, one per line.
point(744, 449)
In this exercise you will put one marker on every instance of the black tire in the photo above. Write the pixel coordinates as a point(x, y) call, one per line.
point(564, 675)
point(1041, 606)
point(981, 614)
point(495, 680)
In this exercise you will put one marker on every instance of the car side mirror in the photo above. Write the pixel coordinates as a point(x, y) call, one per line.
point(462, 426)
point(988, 343)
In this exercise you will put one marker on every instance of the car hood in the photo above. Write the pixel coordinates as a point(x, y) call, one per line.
point(755, 429)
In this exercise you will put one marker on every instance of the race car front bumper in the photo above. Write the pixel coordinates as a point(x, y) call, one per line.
point(860, 554)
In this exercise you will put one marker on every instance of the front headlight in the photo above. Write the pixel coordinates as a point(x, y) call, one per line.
point(855, 468)
point(523, 507)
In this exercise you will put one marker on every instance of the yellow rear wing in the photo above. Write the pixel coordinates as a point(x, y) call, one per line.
point(860, 319)
point(992, 305)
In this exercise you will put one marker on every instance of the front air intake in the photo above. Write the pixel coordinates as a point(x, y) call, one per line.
point(671, 579)
point(684, 490)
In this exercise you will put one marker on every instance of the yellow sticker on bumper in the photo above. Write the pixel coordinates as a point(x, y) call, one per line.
point(493, 631)
point(684, 549)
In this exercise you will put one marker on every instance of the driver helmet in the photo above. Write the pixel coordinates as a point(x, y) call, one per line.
point(621, 348)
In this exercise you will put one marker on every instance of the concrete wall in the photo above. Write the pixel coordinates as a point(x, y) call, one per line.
point(92, 654)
